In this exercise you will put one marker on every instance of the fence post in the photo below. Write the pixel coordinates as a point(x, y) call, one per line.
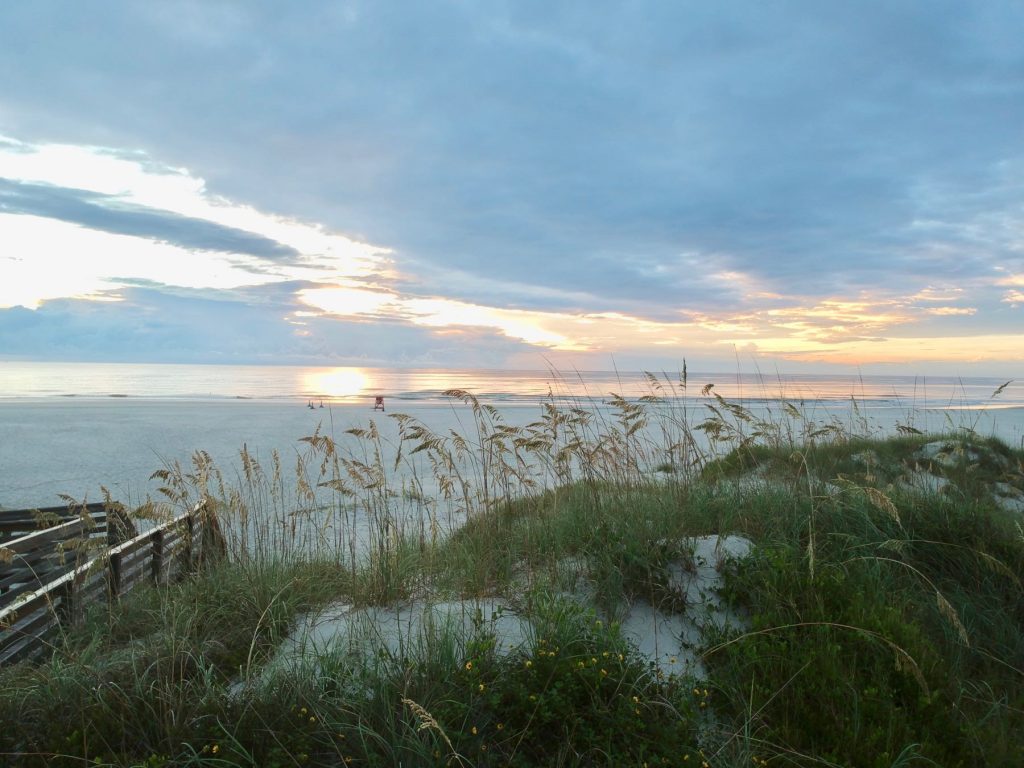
point(158, 555)
point(114, 575)
point(190, 532)
point(65, 609)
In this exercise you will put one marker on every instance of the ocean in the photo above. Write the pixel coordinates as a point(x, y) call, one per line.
point(70, 428)
point(351, 384)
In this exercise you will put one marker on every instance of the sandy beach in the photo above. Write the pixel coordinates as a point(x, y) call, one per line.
point(73, 446)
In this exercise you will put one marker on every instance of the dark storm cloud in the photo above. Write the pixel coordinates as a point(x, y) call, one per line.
point(108, 214)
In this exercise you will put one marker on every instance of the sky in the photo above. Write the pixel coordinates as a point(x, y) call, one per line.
point(797, 186)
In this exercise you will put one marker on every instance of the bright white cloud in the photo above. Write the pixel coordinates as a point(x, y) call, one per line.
point(98, 170)
point(343, 301)
point(951, 311)
point(518, 324)
point(47, 259)
point(355, 303)
point(932, 293)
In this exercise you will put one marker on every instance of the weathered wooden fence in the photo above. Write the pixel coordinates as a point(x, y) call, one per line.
point(107, 520)
point(49, 576)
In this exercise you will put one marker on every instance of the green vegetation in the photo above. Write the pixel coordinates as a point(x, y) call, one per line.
point(883, 602)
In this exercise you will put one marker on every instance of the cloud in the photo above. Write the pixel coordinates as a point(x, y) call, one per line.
point(951, 311)
point(47, 259)
point(649, 173)
point(932, 293)
point(152, 325)
point(138, 184)
point(108, 214)
point(138, 222)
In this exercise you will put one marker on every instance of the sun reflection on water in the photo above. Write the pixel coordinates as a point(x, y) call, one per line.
point(336, 383)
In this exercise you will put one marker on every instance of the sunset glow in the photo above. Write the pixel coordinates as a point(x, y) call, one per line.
point(336, 383)
point(372, 225)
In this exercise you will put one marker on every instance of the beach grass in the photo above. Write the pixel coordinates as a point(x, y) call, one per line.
point(882, 605)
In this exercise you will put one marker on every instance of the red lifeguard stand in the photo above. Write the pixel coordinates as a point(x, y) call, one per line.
point(378, 403)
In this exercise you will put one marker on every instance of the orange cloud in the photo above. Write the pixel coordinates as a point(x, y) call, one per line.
point(1015, 281)
point(835, 330)
point(965, 349)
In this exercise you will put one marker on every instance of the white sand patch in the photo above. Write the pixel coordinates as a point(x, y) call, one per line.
point(947, 453)
point(866, 458)
point(669, 640)
point(923, 482)
point(1008, 497)
point(398, 628)
point(756, 481)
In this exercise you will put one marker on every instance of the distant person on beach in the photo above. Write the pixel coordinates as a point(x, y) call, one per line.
point(378, 403)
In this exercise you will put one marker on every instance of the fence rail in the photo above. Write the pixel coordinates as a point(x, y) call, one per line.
point(104, 520)
point(41, 592)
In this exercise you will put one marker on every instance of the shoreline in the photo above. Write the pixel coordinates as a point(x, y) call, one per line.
point(353, 384)
point(73, 446)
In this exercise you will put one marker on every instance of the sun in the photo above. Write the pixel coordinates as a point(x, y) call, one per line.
point(336, 383)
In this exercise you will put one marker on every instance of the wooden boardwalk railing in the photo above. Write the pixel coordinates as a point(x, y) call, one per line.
point(36, 604)
point(43, 544)
point(107, 520)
